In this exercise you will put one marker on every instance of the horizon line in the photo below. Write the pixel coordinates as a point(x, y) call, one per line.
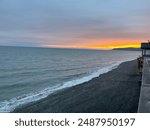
point(72, 47)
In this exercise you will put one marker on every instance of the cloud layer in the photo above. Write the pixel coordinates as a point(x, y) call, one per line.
point(75, 23)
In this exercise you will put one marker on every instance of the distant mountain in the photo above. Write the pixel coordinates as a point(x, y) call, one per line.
point(128, 49)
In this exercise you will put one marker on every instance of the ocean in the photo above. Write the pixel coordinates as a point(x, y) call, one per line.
point(29, 74)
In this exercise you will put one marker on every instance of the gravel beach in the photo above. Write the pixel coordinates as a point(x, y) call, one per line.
point(117, 91)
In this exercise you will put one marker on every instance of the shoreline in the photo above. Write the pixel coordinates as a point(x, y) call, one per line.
point(115, 91)
point(46, 92)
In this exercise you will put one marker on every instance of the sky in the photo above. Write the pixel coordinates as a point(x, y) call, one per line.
point(96, 24)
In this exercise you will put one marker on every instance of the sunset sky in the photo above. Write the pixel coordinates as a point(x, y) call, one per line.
point(100, 24)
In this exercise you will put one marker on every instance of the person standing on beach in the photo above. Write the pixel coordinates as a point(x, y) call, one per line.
point(140, 65)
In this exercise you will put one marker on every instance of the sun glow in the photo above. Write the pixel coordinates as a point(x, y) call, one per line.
point(97, 45)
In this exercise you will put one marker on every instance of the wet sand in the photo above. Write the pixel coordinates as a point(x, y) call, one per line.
point(117, 91)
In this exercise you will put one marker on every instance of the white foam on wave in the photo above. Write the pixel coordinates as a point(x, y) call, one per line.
point(10, 105)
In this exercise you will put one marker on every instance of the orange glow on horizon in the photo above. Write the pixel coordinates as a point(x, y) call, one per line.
point(96, 45)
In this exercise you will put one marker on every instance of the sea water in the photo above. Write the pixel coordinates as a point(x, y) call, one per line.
point(30, 74)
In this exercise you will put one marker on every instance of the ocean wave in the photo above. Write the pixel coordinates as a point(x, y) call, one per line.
point(10, 105)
